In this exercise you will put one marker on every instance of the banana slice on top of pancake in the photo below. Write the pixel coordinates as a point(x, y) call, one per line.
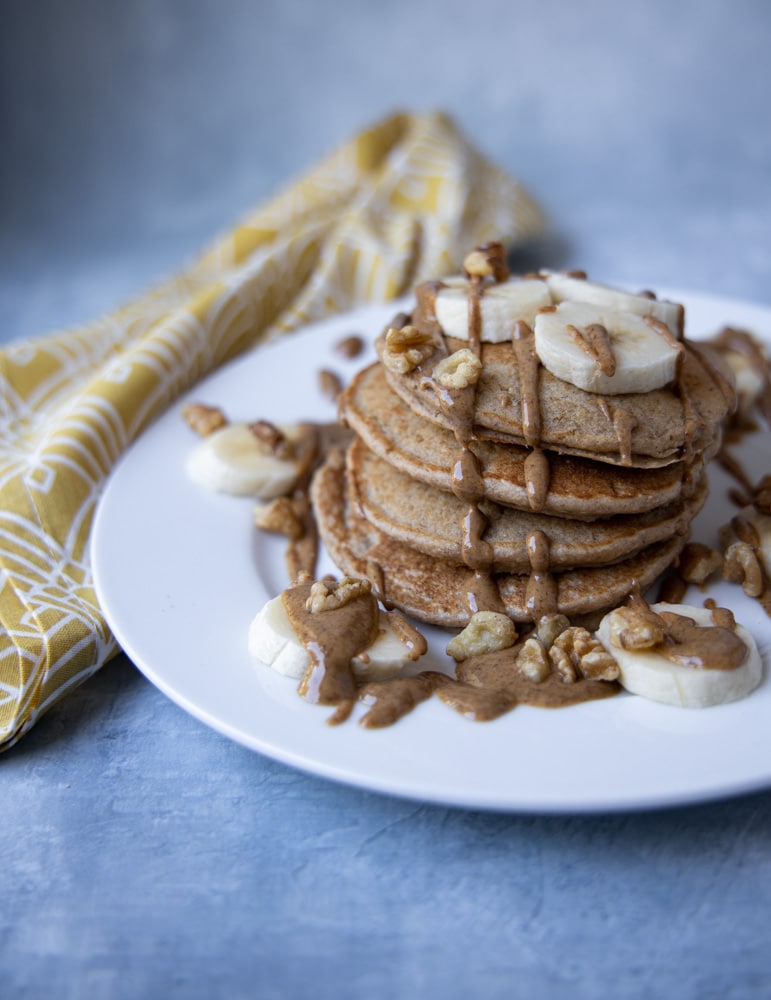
point(500, 306)
point(567, 287)
point(603, 350)
point(598, 338)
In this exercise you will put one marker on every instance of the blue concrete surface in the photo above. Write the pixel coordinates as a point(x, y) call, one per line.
point(145, 855)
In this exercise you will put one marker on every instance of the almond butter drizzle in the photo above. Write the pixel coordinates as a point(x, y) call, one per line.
point(537, 477)
point(528, 364)
point(376, 577)
point(595, 341)
point(486, 686)
point(623, 426)
point(537, 470)
point(332, 638)
point(541, 593)
point(661, 328)
point(475, 292)
point(710, 647)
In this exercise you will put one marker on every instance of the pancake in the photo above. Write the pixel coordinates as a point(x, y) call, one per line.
point(667, 424)
point(433, 521)
point(435, 591)
point(578, 487)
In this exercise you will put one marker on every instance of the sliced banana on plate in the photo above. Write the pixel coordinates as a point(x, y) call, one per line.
point(273, 641)
point(564, 287)
point(750, 381)
point(674, 672)
point(233, 460)
point(599, 349)
point(501, 305)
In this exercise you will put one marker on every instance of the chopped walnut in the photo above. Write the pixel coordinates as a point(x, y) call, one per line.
point(330, 384)
point(487, 261)
point(459, 370)
point(533, 660)
point(741, 565)
point(350, 347)
point(576, 654)
point(272, 439)
point(598, 664)
point(326, 595)
point(698, 562)
point(486, 632)
point(204, 420)
point(279, 516)
point(406, 348)
point(550, 626)
point(630, 629)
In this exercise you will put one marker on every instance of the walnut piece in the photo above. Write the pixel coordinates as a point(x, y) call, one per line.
point(698, 562)
point(486, 632)
point(326, 595)
point(459, 370)
point(576, 654)
point(272, 439)
point(406, 348)
point(741, 565)
point(280, 517)
point(204, 420)
point(533, 660)
point(350, 347)
point(629, 629)
point(330, 385)
point(550, 626)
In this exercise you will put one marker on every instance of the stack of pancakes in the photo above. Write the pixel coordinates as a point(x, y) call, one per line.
point(519, 491)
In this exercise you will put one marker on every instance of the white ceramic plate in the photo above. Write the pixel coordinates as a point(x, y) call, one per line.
point(180, 573)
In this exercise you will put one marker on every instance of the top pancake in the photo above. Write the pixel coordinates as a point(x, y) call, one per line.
point(668, 424)
point(426, 451)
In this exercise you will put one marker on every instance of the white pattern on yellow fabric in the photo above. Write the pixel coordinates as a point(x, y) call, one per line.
point(400, 202)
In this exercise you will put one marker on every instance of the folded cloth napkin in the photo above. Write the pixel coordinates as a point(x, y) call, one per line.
point(400, 202)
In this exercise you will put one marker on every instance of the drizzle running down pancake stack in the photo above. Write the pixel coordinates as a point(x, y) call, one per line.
point(532, 445)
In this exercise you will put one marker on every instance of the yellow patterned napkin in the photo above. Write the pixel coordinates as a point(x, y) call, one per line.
point(400, 202)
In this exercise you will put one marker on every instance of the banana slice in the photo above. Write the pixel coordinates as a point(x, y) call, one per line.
point(643, 359)
point(273, 641)
point(501, 305)
point(563, 287)
point(652, 675)
point(233, 461)
point(750, 382)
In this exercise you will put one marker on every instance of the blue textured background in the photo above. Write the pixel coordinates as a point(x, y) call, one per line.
point(145, 855)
